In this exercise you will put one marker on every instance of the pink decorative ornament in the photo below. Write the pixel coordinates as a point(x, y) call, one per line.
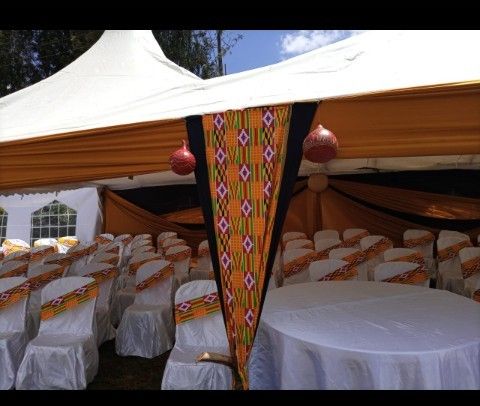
point(182, 161)
point(320, 145)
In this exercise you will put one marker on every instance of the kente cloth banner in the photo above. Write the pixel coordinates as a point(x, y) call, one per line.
point(355, 258)
point(412, 277)
point(69, 300)
point(158, 276)
point(416, 258)
point(21, 270)
point(470, 267)
point(42, 253)
point(354, 240)
point(343, 273)
point(452, 251)
point(197, 308)
point(133, 267)
point(13, 295)
point(418, 242)
point(39, 281)
point(476, 295)
point(101, 240)
point(105, 275)
point(376, 249)
point(179, 256)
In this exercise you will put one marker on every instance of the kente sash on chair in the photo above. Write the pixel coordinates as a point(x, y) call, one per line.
point(341, 274)
point(470, 267)
point(179, 256)
point(133, 267)
point(307, 244)
point(302, 236)
point(181, 242)
point(354, 240)
point(104, 275)
point(39, 281)
point(452, 251)
point(39, 255)
point(418, 242)
point(412, 277)
point(92, 248)
point(356, 258)
point(416, 258)
point(113, 250)
point(323, 254)
point(76, 255)
point(376, 249)
point(158, 276)
point(20, 271)
point(13, 295)
point(299, 264)
point(101, 240)
point(476, 295)
point(25, 256)
point(204, 252)
point(143, 249)
point(197, 308)
point(65, 261)
point(69, 300)
point(113, 260)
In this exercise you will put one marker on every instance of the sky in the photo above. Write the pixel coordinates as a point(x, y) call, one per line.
point(263, 47)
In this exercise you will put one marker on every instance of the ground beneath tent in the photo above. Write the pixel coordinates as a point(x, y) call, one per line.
point(132, 373)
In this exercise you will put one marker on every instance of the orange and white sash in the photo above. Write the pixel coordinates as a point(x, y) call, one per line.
point(175, 244)
point(133, 267)
point(65, 261)
point(39, 281)
point(470, 267)
point(179, 256)
point(112, 260)
point(341, 274)
point(412, 277)
point(69, 300)
point(416, 258)
point(299, 264)
point(356, 258)
point(452, 251)
point(40, 254)
point(76, 255)
point(355, 240)
point(323, 254)
point(307, 244)
point(21, 270)
point(197, 308)
point(376, 249)
point(101, 240)
point(24, 256)
point(476, 295)
point(418, 242)
point(143, 249)
point(104, 275)
point(13, 295)
point(158, 276)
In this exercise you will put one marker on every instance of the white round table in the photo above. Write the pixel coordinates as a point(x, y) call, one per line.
point(366, 335)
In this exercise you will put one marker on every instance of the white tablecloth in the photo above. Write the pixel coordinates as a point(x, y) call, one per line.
point(366, 335)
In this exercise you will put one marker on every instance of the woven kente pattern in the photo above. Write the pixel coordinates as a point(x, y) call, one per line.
point(452, 251)
point(418, 242)
point(21, 270)
point(39, 281)
point(343, 273)
point(69, 300)
point(245, 153)
point(13, 295)
point(158, 276)
point(470, 267)
point(105, 275)
point(197, 308)
point(412, 277)
point(416, 258)
point(352, 241)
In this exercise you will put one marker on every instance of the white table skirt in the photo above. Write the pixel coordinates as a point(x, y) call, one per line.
point(366, 335)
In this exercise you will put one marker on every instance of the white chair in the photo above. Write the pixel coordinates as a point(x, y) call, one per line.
point(374, 246)
point(325, 245)
point(449, 275)
point(126, 241)
point(383, 272)
point(425, 248)
point(164, 236)
point(80, 254)
point(139, 237)
point(171, 242)
point(293, 235)
point(59, 259)
point(142, 249)
point(476, 291)
point(470, 256)
point(105, 238)
point(352, 237)
point(64, 354)
point(324, 268)
point(300, 243)
point(300, 274)
point(34, 303)
point(16, 256)
point(450, 233)
point(393, 254)
point(204, 267)
point(180, 256)
point(13, 335)
point(205, 334)
point(352, 255)
point(326, 234)
point(147, 327)
point(13, 268)
point(38, 254)
point(104, 328)
point(106, 258)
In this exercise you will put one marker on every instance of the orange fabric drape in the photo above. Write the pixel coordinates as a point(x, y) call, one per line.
point(88, 155)
point(422, 121)
point(121, 216)
point(188, 216)
point(412, 201)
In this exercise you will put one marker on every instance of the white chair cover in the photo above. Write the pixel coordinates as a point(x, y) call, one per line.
point(107, 236)
point(341, 253)
point(326, 234)
point(13, 337)
point(55, 257)
point(394, 253)
point(126, 248)
point(204, 264)
point(143, 249)
point(323, 267)
point(325, 243)
point(426, 250)
point(14, 256)
point(181, 267)
point(293, 235)
point(141, 243)
point(450, 233)
point(367, 242)
point(470, 283)
point(147, 328)
point(104, 329)
point(291, 255)
point(449, 275)
point(352, 232)
point(34, 302)
point(163, 236)
point(300, 243)
point(139, 237)
point(106, 258)
point(42, 252)
point(10, 266)
point(79, 262)
point(206, 334)
point(64, 355)
point(390, 269)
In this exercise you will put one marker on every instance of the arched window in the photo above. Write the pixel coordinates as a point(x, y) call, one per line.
point(53, 220)
point(3, 224)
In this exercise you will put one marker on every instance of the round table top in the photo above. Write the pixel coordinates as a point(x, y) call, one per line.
point(372, 317)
